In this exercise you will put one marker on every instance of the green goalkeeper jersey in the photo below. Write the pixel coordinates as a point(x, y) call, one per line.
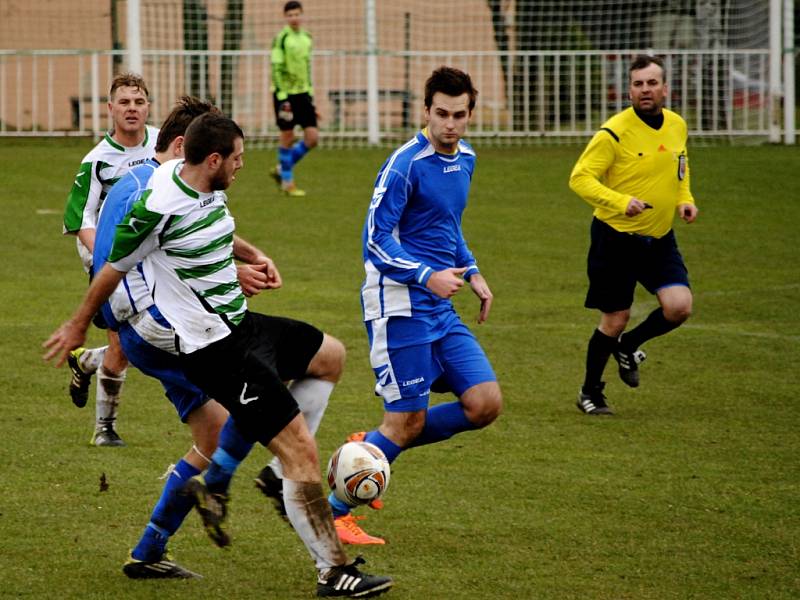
point(291, 63)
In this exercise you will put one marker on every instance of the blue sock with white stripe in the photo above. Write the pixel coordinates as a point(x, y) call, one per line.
point(169, 513)
point(299, 150)
point(232, 449)
point(286, 163)
point(442, 422)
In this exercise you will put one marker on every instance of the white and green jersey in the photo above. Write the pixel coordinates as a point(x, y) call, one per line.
point(184, 239)
point(99, 170)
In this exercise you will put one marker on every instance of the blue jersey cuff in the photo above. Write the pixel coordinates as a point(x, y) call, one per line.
point(424, 273)
point(472, 270)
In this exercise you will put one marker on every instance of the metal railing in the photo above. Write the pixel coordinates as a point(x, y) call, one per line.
point(524, 96)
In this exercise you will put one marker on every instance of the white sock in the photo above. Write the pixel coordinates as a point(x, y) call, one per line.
point(91, 359)
point(108, 389)
point(311, 395)
point(310, 515)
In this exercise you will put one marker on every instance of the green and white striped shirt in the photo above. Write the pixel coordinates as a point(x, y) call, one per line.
point(184, 239)
point(105, 164)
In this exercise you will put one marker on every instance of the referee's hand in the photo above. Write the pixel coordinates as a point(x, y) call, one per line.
point(687, 211)
point(635, 207)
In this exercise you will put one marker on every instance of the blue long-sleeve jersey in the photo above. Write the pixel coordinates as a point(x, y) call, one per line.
point(132, 294)
point(413, 229)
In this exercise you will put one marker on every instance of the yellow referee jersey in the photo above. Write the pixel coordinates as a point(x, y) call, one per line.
point(627, 158)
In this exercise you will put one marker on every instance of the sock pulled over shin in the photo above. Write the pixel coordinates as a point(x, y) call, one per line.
point(232, 449)
point(168, 514)
point(310, 515)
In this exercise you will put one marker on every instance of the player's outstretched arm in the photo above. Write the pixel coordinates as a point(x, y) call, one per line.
point(72, 334)
point(482, 291)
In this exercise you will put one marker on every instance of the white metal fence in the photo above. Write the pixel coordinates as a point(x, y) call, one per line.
point(523, 96)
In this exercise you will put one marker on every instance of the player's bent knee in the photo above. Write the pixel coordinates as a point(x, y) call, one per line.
point(328, 362)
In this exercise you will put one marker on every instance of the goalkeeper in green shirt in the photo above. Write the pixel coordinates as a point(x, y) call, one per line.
point(292, 96)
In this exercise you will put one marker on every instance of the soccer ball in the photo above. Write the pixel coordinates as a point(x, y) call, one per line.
point(358, 473)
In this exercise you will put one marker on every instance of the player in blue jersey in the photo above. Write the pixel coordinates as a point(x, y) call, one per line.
point(416, 259)
point(149, 342)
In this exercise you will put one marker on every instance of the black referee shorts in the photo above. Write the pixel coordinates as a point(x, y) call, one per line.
point(246, 371)
point(300, 108)
point(617, 261)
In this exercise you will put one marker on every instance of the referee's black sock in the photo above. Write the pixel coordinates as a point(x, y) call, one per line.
point(600, 348)
point(653, 326)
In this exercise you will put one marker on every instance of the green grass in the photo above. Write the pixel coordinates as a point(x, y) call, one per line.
point(691, 491)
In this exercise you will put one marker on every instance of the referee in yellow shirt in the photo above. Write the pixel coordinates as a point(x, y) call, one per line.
point(635, 173)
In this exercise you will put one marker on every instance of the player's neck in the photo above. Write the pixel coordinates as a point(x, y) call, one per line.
point(129, 140)
point(196, 177)
point(438, 146)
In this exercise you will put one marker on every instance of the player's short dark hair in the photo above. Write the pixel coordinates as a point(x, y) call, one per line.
point(641, 61)
point(187, 108)
point(292, 5)
point(128, 80)
point(209, 133)
point(452, 82)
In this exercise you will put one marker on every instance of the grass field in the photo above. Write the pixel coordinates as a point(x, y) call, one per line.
point(691, 491)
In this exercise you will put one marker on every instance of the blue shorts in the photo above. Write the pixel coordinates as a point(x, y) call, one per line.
point(404, 374)
point(184, 395)
point(617, 261)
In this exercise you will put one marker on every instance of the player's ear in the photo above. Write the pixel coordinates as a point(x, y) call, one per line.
point(178, 146)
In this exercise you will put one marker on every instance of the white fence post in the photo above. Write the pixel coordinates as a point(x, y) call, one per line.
point(134, 35)
point(775, 52)
point(789, 126)
point(373, 133)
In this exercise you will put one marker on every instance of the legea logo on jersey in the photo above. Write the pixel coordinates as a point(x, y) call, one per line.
point(451, 168)
point(133, 163)
point(413, 381)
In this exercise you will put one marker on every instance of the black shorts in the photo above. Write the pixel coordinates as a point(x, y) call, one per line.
point(617, 261)
point(246, 371)
point(301, 109)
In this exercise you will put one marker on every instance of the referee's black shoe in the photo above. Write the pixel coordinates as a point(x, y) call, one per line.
point(347, 581)
point(593, 402)
point(629, 361)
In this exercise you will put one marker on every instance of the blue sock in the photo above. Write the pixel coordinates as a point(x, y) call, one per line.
point(442, 422)
point(169, 513)
point(286, 162)
point(390, 449)
point(338, 507)
point(230, 452)
point(299, 150)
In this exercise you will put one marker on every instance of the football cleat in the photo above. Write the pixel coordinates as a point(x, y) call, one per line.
point(79, 384)
point(593, 403)
point(272, 487)
point(164, 568)
point(347, 581)
point(106, 435)
point(629, 365)
point(291, 190)
point(349, 532)
point(212, 508)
